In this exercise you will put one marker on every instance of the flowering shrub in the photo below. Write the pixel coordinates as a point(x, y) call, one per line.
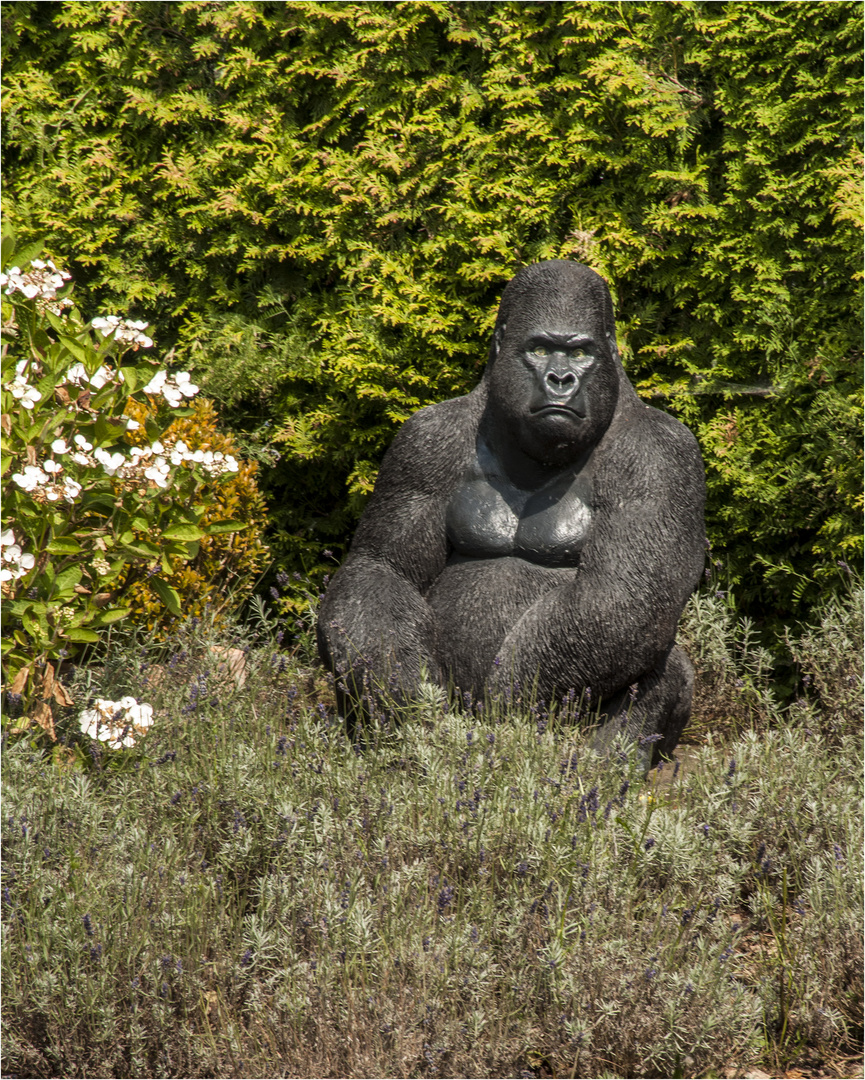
point(224, 561)
point(91, 506)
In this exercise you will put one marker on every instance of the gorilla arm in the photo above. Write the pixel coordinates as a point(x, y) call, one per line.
point(643, 558)
point(374, 622)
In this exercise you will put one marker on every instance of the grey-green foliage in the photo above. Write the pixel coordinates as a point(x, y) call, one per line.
point(473, 893)
point(319, 205)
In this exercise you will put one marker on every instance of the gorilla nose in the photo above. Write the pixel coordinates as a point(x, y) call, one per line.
point(560, 384)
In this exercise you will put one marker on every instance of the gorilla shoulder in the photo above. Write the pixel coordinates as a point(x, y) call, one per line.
point(645, 443)
point(435, 444)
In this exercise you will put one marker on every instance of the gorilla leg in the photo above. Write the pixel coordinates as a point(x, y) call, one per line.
point(660, 706)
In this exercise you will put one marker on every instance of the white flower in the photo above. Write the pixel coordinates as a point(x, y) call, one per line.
point(82, 442)
point(80, 459)
point(116, 722)
point(156, 383)
point(31, 478)
point(110, 462)
point(158, 473)
point(157, 447)
point(42, 280)
point(17, 563)
point(141, 717)
point(78, 375)
point(107, 325)
point(123, 330)
point(71, 489)
point(187, 388)
point(51, 466)
point(100, 377)
point(22, 391)
point(132, 425)
point(59, 446)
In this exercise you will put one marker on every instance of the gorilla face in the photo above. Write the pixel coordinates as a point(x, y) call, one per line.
point(554, 382)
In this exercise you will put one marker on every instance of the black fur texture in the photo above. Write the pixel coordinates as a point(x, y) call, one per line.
point(545, 530)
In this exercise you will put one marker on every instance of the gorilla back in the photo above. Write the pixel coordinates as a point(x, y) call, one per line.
point(545, 529)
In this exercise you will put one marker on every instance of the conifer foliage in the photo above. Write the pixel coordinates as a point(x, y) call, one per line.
point(319, 204)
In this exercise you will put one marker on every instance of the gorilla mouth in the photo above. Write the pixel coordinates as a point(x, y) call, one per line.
point(558, 410)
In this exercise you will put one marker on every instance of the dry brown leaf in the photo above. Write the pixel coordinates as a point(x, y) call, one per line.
point(6, 423)
point(62, 695)
point(47, 687)
point(62, 395)
point(41, 714)
point(20, 680)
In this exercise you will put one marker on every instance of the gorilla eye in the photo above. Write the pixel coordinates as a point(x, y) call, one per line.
point(540, 350)
point(576, 352)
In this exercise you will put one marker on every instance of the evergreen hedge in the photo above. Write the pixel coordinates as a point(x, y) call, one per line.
point(318, 205)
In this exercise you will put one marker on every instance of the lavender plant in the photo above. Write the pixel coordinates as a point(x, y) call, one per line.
point(475, 892)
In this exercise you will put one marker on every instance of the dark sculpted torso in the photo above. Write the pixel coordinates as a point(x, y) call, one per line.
point(507, 548)
point(490, 516)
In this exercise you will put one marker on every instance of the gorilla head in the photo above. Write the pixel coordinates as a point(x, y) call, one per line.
point(554, 377)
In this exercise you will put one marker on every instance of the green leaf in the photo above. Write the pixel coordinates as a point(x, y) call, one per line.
point(167, 594)
point(113, 615)
point(68, 579)
point(76, 633)
point(142, 547)
point(63, 545)
point(78, 351)
point(8, 247)
point(131, 378)
point(32, 627)
point(183, 532)
point(217, 527)
point(23, 257)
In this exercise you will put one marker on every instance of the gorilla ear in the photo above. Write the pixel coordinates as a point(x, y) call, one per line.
point(611, 341)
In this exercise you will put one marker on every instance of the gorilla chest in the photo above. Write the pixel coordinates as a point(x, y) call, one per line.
point(488, 517)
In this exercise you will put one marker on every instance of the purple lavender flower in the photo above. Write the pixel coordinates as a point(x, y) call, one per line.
point(445, 898)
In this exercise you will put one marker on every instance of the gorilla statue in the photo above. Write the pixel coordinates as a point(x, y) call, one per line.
point(544, 530)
